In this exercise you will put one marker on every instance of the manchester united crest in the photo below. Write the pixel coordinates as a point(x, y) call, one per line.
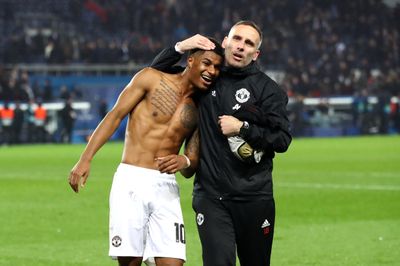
point(242, 95)
point(116, 241)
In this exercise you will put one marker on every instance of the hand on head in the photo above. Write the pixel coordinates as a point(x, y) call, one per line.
point(196, 41)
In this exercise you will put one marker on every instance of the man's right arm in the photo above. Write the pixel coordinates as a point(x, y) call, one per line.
point(168, 57)
point(127, 100)
point(166, 60)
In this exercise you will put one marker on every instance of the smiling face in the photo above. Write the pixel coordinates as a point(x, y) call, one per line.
point(204, 68)
point(241, 46)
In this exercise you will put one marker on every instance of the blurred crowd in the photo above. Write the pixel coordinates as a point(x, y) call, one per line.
point(24, 117)
point(324, 48)
point(16, 86)
point(33, 122)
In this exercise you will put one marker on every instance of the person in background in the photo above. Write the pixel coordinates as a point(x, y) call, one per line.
point(40, 114)
point(67, 116)
point(7, 119)
point(18, 123)
point(30, 117)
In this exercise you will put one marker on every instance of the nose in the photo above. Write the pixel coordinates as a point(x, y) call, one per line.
point(212, 70)
point(240, 46)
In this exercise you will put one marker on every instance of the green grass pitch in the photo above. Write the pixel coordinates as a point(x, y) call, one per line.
point(337, 199)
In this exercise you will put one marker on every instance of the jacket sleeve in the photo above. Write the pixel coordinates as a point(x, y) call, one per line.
point(165, 61)
point(271, 130)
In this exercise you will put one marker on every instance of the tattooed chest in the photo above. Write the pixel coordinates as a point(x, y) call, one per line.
point(164, 100)
point(168, 106)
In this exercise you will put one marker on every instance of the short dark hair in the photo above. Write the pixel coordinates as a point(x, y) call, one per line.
point(251, 24)
point(218, 48)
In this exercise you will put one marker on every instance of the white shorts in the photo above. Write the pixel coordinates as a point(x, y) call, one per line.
point(145, 215)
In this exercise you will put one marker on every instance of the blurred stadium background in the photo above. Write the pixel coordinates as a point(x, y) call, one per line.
point(339, 62)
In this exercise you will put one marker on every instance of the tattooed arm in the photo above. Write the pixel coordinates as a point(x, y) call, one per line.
point(192, 152)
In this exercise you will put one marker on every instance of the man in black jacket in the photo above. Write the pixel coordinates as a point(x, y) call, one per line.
point(242, 123)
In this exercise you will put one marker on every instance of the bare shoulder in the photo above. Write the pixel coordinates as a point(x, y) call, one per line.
point(159, 75)
point(148, 72)
point(145, 78)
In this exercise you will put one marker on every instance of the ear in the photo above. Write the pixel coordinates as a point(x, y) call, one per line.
point(255, 56)
point(224, 42)
point(189, 61)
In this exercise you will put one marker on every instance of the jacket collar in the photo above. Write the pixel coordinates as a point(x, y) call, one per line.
point(250, 69)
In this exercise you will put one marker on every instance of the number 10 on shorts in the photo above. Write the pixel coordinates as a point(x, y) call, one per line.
point(180, 233)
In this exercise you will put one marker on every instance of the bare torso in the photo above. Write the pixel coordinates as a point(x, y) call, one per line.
point(160, 122)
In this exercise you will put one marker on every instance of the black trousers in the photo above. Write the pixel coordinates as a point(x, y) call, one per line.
point(227, 226)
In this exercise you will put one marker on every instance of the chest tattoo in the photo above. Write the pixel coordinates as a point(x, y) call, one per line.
point(165, 99)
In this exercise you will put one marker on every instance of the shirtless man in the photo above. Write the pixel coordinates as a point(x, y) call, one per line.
point(145, 213)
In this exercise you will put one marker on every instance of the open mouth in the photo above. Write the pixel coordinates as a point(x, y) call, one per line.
point(207, 78)
point(237, 57)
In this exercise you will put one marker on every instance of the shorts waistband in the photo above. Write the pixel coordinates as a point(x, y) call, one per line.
point(140, 171)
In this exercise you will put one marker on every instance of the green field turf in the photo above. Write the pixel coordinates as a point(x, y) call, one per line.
point(338, 203)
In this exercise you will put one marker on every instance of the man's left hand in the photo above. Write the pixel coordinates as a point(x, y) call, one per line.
point(171, 164)
point(230, 125)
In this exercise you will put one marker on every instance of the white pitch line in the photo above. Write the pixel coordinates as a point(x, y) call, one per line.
point(338, 186)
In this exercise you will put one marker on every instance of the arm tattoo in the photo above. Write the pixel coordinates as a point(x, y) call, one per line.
point(193, 143)
point(189, 116)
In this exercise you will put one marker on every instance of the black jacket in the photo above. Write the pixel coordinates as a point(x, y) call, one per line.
point(250, 95)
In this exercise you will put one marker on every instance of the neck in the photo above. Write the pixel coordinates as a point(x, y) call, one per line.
point(185, 84)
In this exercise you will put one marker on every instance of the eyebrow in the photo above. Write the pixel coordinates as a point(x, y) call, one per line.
point(211, 62)
point(208, 60)
point(248, 41)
